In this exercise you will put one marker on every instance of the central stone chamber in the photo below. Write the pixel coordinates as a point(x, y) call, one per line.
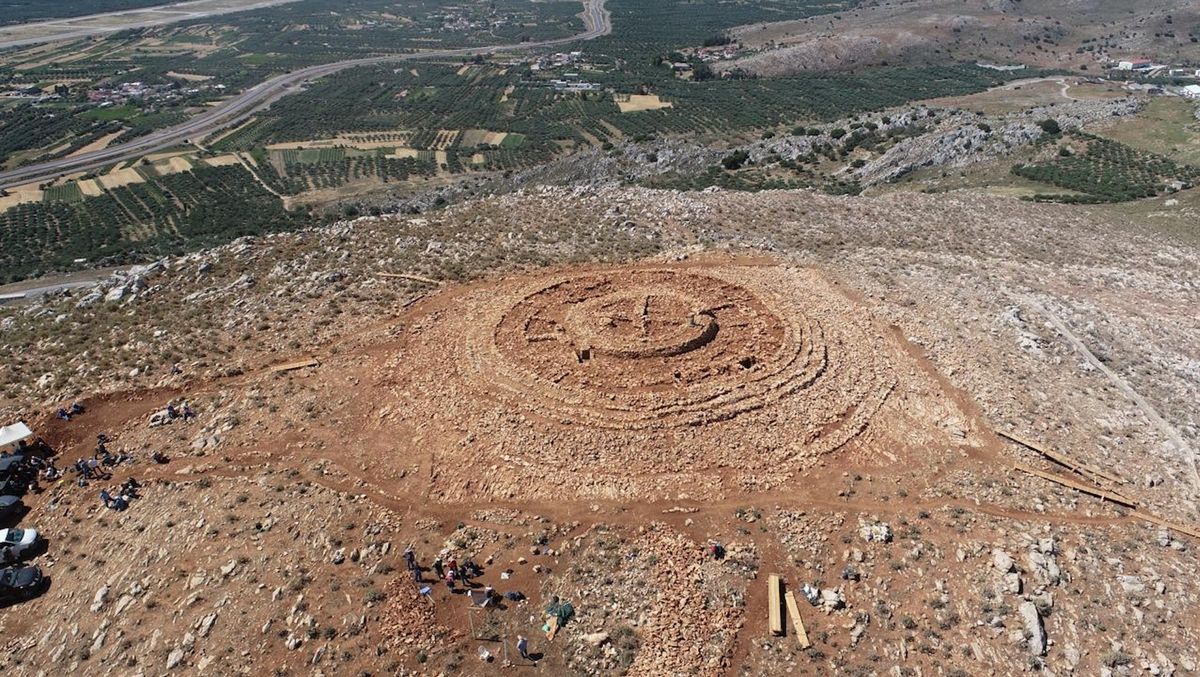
point(639, 323)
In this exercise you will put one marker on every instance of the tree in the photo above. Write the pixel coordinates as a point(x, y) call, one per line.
point(735, 160)
point(1050, 126)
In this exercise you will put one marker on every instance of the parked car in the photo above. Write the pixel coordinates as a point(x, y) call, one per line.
point(10, 506)
point(11, 461)
point(13, 487)
point(14, 467)
point(17, 544)
point(20, 583)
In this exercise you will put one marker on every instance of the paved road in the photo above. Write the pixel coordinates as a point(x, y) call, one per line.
point(597, 22)
point(74, 28)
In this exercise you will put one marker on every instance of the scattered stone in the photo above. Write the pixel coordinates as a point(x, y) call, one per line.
point(206, 624)
point(100, 599)
point(1003, 562)
point(595, 638)
point(876, 533)
point(1035, 632)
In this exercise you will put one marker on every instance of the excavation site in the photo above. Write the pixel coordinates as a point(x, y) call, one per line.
point(636, 433)
point(705, 379)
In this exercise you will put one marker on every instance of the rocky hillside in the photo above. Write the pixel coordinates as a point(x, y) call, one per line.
point(272, 537)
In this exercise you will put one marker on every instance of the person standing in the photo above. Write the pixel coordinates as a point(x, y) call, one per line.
point(523, 646)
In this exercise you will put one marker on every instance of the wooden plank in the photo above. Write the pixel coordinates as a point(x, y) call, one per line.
point(1062, 459)
point(775, 617)
point(1155, 519)
point(1078, 486)
point(291, 366)
point(797, 622)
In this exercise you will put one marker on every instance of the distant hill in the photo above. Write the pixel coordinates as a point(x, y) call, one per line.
point(1078, 34)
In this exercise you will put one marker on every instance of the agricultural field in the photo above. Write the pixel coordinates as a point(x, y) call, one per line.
point(140, 219)
point(1095, 169)
point(294, 171)
point(174, 71)
point(28, 132)
point(1168, 126)
point(636, 103)
point(240, 49)
point(539, 123)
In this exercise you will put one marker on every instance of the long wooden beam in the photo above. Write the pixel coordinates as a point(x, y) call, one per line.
point(1078, 486)
point(1062, 459)
point(299, 364)
point(775, 614)
point(1155, 519)
point(797, 622)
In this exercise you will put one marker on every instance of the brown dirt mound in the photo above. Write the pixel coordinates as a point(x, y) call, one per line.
point(710, 378)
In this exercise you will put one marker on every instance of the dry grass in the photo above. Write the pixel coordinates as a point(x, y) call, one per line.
point(21, 195)
point(121, 177)
point(632, 103)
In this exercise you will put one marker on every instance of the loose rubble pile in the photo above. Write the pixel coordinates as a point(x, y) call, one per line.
point(684, 608)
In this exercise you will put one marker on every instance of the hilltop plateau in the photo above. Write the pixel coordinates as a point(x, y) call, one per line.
point(581, 389)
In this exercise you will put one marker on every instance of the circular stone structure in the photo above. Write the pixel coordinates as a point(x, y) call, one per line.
point(636, 324)
point(627, 381)
point(650, 348)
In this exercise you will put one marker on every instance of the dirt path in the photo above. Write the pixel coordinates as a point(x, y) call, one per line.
point(1064, 86)
point(250, 168)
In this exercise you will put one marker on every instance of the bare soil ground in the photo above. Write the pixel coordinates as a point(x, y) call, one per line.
point(818, 383)
point(633, 103)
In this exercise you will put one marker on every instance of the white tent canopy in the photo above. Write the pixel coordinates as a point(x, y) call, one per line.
point(11, 434)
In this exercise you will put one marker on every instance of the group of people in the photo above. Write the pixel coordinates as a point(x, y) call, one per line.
point(447, 568)
point(65, 413)
point(37, 459)
point(171, 413)
point(37, 463)
point(97, 467)
point(125, 493)
point(457, 574)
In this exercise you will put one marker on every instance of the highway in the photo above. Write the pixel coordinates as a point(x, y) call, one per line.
point(231, 112)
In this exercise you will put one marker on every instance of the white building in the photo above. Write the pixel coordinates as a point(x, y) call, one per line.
point(1135, 65)
point(10, 435)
